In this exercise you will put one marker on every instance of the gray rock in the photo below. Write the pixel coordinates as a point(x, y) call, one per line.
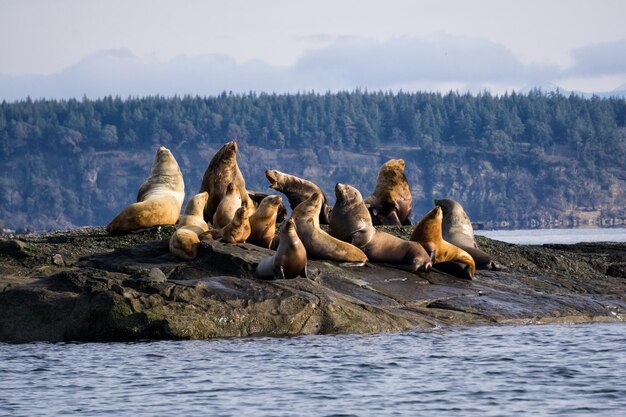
point(57, 259)
point(131, 288)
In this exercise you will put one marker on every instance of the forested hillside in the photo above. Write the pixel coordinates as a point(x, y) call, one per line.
point(517, 159)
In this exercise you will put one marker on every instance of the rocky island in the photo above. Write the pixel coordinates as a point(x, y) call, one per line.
point(85, 285)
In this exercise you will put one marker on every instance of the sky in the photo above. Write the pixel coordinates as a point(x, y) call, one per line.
point(94, 48)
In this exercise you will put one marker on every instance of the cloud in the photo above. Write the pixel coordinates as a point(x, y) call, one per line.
point(608, 58)
point(119, 72)
point(409, 60)
point(344, 64)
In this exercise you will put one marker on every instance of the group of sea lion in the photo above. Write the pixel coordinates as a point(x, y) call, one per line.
point(225, 210)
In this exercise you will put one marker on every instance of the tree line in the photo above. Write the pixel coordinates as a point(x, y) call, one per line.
point(44, 140)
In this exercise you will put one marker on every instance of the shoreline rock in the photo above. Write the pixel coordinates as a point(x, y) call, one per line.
point(126, 288)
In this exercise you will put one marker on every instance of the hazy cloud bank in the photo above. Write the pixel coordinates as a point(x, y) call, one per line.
point(599, 59)
point(344, 64)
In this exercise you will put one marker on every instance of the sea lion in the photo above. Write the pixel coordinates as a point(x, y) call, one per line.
point(290, 258)
point(350, 221)
point(226, 209)
point(159, 199)
point(223, 170)
point(428, 233)
point(257, 197)
point(238, 230)
point(457, 229)
point(263, 221)
point(317, 242)
point(297, 190)
point(391, 202)
point(191, 225)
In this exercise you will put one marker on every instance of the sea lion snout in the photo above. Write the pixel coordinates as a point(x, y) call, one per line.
point(232, 146)
point(339, 189)
point(272, 178)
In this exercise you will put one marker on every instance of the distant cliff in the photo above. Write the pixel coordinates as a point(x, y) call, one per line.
point(514, 160)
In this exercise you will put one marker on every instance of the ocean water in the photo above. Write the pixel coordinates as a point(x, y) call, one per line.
point(566, 236)
point(550, 370)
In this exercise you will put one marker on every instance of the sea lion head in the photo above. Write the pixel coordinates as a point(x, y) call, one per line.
point(288, 228)
point(454, 215)
point(241, 215)
point(395, 164)
point(436, 213)
point(271, 201)
point(231, 188)
point(392, 171)
point(227, 153)
point(448, 206)
point(275, 178)
point(348, 194)
point(310, 208)
point(197, 203)
point(164, 163)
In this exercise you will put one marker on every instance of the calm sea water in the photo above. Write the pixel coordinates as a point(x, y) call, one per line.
point(567, 236)
point(551, 370)
point(555, 370)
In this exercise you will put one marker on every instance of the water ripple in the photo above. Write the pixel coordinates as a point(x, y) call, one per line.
point(488, 371)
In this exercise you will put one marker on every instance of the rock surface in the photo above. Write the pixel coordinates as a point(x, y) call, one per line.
point(86, 285)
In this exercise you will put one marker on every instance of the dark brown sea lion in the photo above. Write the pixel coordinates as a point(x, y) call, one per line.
point(350, 221)
point(191, 225)
point(428, 233)
point(297, 190)
point(263, 221)
point(290, 258)
point(223, 170)
point(391, 202)
point(318, 243)
point(159, 199)
point(457, 229)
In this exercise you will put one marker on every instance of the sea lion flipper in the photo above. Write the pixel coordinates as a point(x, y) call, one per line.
point(352, 264)
point(274, 243)
point(304, 273)
point(279, 272)
point(454, 269)
point(494, 266)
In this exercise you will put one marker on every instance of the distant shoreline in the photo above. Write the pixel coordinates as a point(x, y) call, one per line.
point(560, 235)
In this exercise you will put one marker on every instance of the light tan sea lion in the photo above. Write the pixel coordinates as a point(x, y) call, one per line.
point(457, 229)
point(297, 190)
point(391, 202)
point(238, 230)
point(226, 209)
point(318, 243)
point(350, 221)
point(257, 197)
point(428, 233)
point(159, 199)
point(223, 170)
point(290, 258)
point(263, 221)
point(185, 240)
